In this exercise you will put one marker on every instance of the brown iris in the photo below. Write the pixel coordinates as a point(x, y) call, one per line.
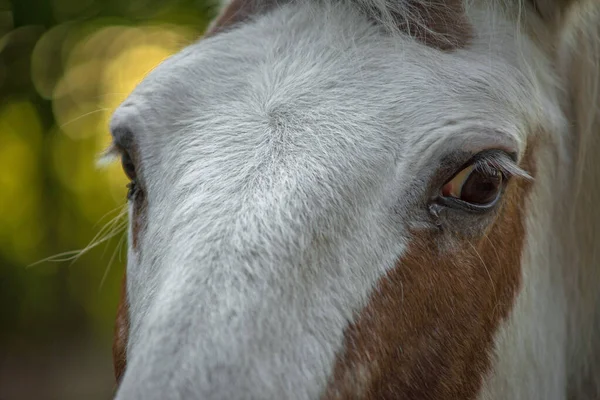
point(475, 185)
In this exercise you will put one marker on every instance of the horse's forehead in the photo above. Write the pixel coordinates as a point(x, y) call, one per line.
point(318, 99)
point(295, 68)
point(305, 63)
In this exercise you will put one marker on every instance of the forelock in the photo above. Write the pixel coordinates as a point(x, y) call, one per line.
point(439, 24)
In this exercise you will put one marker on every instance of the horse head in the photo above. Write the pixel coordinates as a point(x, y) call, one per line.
point(366, 199)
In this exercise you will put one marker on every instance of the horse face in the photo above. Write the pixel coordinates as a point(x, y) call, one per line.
point(322, 209)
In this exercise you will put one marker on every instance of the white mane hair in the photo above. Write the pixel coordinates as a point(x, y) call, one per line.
point(286, 161)
point(562, 288)
point(579, 66)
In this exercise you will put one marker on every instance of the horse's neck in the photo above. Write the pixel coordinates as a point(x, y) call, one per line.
point(580, 66)
point(550, 346)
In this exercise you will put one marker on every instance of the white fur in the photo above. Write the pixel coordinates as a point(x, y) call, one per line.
point(549, 348)
point(283, 162)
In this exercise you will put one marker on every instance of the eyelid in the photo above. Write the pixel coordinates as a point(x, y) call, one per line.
point(110, 155)
point(497, 158)
point(457, 203)
point(500, 160)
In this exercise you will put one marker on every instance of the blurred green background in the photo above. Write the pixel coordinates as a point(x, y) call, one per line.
point(64, 67)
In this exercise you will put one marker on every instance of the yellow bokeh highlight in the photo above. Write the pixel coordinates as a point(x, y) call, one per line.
point(20, 144)
point(45, 66)
point(101, 68)
point(83, 58)
point(125, 72)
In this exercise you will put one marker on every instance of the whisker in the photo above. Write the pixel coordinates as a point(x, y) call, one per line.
point(119, 208)
point(485, 236)
point(105, 239)
point(486, 270)
point(84, 115)
point(108, 231)
point(110, 225)
point(112, 259)
point(56, 258)
point(120, 253)
point(116, 221)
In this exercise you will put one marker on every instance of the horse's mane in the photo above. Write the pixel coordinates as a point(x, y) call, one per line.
point(441, 23)
point(579, 66)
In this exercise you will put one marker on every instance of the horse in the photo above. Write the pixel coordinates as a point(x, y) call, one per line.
point(366, 199)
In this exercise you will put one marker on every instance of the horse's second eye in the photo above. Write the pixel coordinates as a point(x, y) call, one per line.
point(473, 185)
point(128, 166)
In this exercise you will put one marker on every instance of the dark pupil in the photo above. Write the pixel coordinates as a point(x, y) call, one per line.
point(481, 188)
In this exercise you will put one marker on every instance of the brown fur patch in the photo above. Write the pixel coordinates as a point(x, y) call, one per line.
point(439, 24)
point(428, 330)
point(239, 11)
point(121, 333)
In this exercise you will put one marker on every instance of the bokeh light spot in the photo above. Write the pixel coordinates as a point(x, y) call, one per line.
point(46, 67)
point(69, 9)
point(20, 143)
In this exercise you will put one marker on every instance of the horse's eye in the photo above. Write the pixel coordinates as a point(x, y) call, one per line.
point(476, 185)
point(128, 166)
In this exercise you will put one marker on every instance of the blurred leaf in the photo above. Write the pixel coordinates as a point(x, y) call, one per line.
point(65, 65)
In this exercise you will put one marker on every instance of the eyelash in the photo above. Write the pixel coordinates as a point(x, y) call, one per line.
point(131, 190)
point(499, 160)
